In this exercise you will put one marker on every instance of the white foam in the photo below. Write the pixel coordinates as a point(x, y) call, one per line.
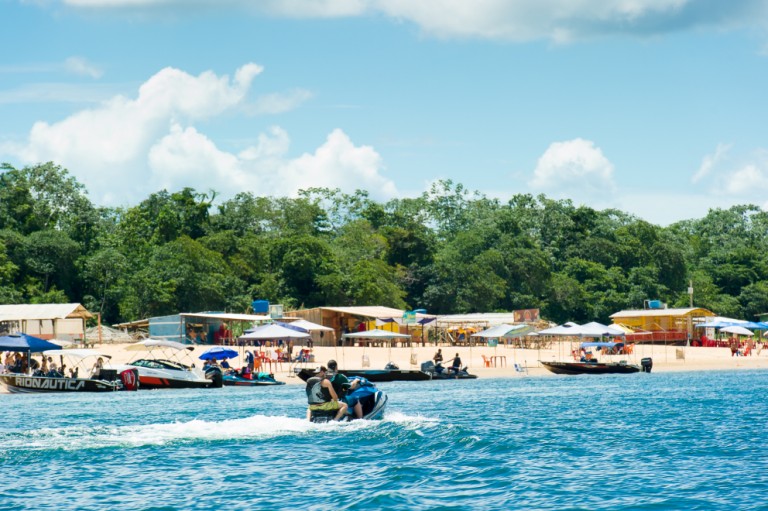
point(257, 426)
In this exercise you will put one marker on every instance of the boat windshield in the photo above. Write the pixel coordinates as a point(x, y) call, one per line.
point(159, 364)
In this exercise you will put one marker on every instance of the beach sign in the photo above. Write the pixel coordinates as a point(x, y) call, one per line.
point(409, 317)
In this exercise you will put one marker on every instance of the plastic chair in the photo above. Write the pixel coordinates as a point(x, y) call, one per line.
point(521, 369)
point(486, 361)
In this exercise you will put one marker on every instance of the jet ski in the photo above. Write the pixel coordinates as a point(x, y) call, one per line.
point(371, 398)
point(239, 379)
point(438, 372)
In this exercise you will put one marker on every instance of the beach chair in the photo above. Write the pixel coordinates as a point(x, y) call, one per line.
point(521, 369)
point(486, 361)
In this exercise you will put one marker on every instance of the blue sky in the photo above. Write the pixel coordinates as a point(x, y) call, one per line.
point(655, 107)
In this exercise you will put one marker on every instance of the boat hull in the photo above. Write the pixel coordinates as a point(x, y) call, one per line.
point(375, 375)
point(573, 368)
point(156, 378)
point(236, 381)
point(20, 383)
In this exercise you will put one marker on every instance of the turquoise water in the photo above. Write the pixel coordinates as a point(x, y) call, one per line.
point(658, 441)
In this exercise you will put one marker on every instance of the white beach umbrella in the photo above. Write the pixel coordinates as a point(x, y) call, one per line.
point(274, 332)
point(308, 325)
point(738, 330)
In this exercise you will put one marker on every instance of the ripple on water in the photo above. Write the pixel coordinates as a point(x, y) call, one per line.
point(659, 441)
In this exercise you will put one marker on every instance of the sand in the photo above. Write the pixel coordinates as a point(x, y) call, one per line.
point(665, 359)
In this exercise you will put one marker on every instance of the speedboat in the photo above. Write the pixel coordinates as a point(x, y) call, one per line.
point(105, 380)
point(373, 401)
point(236, 379)
point(590, 365)
point(169, 366)
point(390, 373)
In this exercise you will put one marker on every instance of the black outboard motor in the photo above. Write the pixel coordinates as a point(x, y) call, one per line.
point(646, 364)
point(216, 376)
point(428, 366)
point(391, 366)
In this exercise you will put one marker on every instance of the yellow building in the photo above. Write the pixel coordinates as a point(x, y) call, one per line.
point(664, 324)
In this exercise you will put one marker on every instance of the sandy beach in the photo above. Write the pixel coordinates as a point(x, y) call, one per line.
point(665, 358)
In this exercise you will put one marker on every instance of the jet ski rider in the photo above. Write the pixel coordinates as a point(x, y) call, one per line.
point(343, 388)
point(322, 397)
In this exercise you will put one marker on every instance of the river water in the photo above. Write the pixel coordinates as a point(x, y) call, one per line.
point(688, 440)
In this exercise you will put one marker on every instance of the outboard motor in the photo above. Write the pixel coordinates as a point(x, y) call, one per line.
point(428, 366)
point(391, 366)
point(646, 364)
point(130, 379)
point(215, 375)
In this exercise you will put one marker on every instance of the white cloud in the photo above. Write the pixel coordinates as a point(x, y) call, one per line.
point(573, 169)
point(710, 161)
point(278, 103)
point(80, 66)
point(74, 65)
point(185, 157)
point(126, 148)
point(515, 20)
point(751, 180)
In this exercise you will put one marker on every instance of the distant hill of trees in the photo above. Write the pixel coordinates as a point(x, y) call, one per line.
point(448, 251)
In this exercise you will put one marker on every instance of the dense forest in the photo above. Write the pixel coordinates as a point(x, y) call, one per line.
point(448, 251)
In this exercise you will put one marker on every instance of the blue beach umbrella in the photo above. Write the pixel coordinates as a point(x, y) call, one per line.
point(218, 353)
point(24, 342)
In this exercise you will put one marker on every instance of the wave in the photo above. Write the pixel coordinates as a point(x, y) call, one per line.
point(195, 430)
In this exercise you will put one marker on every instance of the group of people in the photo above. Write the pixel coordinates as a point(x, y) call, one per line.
point(17, 363)
point(455, 366)
point(331, 391)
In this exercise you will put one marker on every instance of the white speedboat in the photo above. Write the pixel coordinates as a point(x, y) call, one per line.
point(169, 366)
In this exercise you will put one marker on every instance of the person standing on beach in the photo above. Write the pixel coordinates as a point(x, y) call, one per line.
point(438, 356)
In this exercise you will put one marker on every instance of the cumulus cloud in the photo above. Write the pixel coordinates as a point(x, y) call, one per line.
point(515, 20)
point(573, 169)
point(126, 148)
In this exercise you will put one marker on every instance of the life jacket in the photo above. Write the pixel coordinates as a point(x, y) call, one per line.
point(316, 393)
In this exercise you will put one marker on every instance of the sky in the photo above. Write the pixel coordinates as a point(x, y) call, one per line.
point(655, 107)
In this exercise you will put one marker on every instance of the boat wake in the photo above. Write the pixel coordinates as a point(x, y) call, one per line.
point(179, 432)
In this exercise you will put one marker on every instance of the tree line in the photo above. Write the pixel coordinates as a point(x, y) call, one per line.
point(449, 251)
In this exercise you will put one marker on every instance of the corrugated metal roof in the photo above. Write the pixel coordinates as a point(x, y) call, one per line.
point(373, 311)
point(43, 311)
point(227, 316)
point(661, 312)
point(489, 318)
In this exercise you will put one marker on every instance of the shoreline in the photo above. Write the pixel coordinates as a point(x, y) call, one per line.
point(665, 358)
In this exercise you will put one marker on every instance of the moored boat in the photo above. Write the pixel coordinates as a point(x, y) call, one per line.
point(165, 367)
point(104, 380)
point(373, 375)
point(590, 365)
point(438, 372)
point(234, 379)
